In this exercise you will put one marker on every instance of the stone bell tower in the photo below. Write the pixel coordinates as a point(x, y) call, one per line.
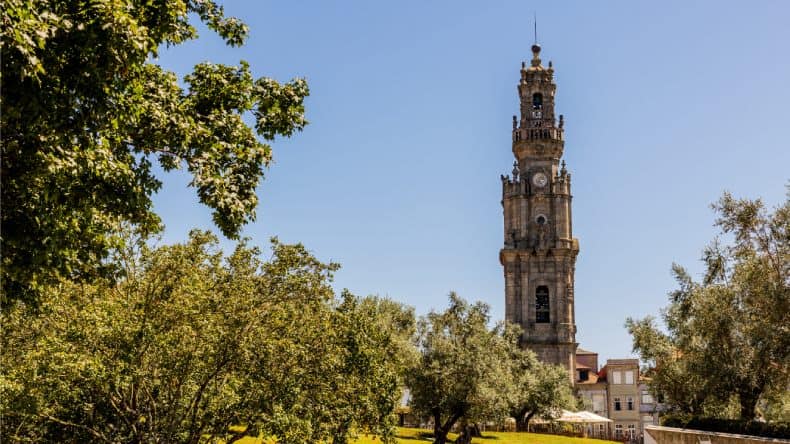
point(539, 255)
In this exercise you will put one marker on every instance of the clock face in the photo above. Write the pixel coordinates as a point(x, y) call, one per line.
point(539, 180)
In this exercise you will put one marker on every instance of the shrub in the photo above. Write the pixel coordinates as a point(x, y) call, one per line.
point(737, 426)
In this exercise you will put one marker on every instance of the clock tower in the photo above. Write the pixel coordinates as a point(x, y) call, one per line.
point(539, 253)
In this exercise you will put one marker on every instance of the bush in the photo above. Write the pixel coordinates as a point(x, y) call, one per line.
point(737, 426)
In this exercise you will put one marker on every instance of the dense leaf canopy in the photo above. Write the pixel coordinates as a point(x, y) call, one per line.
point(86, 112)
point(727, 340)
point(191, 343)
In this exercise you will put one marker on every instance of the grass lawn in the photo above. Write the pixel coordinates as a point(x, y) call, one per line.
point(413, 436)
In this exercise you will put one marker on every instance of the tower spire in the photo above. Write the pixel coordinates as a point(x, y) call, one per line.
point(539, 250)
point(535, 22)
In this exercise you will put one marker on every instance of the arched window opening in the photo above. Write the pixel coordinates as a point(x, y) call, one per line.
point(537, 101)
point(542, 305)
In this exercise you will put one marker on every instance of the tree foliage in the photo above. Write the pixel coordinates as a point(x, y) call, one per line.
point(398, 321)
point(190, 343)
point(727, 336)
point(87, 112)
point(375, 334)
point(541, 390)
point(469, 372)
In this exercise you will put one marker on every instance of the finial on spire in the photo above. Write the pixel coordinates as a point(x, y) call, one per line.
point(535, 46)
point(535, 55)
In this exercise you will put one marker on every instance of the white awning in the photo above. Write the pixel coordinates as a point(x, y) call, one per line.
point(581, 417)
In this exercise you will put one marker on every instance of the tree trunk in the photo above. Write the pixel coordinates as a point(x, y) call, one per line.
point(465, 437)
point(439, 435)
point(748, 403)
point(526, 421)
point(440, 431)
point(520, 417)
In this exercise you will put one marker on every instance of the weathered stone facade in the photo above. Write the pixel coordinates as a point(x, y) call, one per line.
point(539, 254)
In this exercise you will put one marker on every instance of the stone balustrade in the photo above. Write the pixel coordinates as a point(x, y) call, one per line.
point(537, 134)
point(672, 435)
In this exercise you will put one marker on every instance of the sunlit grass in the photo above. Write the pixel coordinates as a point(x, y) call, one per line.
point(413, 436)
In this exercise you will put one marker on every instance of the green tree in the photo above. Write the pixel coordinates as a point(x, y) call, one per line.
point(191, 343)
point(465, 372)
point(87, 111)
point(728, 335)
point(541, 390)
point(775, 407)
point(400, 324)
point(367, 388)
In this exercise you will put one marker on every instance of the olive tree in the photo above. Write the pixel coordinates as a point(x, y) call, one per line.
point(727, 335)
point(541, 390)
point(465, 372)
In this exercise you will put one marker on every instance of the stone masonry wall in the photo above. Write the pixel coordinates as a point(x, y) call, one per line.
point(671, 435)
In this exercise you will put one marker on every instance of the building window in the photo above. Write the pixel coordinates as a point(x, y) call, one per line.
point(542, 305)
point(617, 404)
point(618, 431)
point(631, 431)
point(584, 375)
point(537, 101)
point(629, 377)
point(647, 398)
point(598, 403)
point(617, 378)
point(630, 402)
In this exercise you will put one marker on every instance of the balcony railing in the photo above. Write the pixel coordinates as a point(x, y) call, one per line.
point(537, 134)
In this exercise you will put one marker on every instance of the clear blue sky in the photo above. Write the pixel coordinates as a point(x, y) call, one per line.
point(666, 105)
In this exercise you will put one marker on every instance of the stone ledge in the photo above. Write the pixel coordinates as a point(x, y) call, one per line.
point(673, 435)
